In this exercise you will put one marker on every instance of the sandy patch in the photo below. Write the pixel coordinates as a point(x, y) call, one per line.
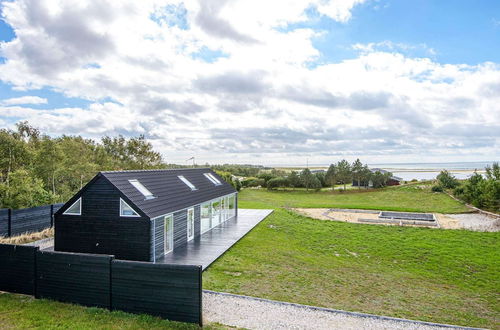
point(469, 221)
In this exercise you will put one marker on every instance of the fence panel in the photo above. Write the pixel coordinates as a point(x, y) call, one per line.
point(17, 264)
point(4, 222)
point(31, 219)
point(168, 291)
point(76, 278)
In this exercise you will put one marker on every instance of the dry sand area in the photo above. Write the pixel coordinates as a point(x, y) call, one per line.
point(470, 221)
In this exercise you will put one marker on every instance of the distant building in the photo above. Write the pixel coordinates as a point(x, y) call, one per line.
point(393, 180)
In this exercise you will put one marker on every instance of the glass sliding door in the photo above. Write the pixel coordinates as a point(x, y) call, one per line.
point(205, 217)
point(215, 212)
point(169, 233)
point(232, 206)
point(190, 224)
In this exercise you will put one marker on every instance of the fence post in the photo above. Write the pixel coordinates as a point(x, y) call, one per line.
point(9, 222)
point(51, 215)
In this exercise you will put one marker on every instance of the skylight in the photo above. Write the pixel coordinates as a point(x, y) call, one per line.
point(75, 209)
point(186, 181)
point(212, 178)
point(143, 190)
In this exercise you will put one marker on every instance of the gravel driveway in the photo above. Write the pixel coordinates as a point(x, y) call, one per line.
point(255, 313)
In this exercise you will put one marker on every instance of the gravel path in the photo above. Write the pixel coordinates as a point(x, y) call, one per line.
point(255, 313)
point(476, 221)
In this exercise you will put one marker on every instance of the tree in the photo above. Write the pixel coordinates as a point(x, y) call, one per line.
point(493, 172)
point(365, 176)
point(357, 169)
point(378, 179)
point(293, 180)
point(447, 180)
point(331, 176)
point(24, 191)
point(321, 178)
point(307, 179)
point(344, 172)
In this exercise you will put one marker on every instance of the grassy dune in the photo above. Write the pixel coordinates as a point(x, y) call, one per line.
point(447, 276)
point(414, 198)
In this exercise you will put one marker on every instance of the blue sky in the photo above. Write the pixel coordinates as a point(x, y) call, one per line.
point(400, 80)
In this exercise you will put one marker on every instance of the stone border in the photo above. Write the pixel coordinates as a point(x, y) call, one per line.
point(338, 311)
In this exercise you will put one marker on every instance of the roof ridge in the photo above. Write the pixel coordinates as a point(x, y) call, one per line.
point(157, 170)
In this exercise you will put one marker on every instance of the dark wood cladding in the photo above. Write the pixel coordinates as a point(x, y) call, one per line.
point(76, 278)
point(17, 264)
point(180, 228)
point(168, 291)
point(4, 222)
point(100, 229)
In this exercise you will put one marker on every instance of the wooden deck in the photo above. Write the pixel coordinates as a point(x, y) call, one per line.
point(210, 246)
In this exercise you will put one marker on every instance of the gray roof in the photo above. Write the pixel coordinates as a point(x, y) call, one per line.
point(171, 194)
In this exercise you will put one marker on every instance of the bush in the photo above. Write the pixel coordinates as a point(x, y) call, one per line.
point(437, 188)
point(447, 180)
point(252, 182)
point(278, 182)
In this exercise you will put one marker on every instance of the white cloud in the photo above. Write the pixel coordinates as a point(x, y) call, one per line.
point(260, 103)
point(24, 100)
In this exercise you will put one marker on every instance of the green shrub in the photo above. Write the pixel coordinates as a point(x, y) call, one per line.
point(437, 188)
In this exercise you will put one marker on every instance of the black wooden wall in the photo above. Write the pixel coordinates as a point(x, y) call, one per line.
point(76, 278)
point(100, 229)
point(17, 268)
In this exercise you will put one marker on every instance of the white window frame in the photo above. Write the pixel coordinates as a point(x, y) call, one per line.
point(140, 187)
point(79, 200)
point(136, 215)
point(189, 238)
point(171, 233)
point(187, 182)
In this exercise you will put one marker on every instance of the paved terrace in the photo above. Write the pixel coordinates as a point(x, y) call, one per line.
point(210, 246)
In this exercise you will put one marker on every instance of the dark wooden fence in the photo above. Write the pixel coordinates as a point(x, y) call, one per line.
point(17, 264)
point(83, 279)
point(16, 222)
point(169, 291)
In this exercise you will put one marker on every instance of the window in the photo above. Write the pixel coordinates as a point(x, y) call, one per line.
point(186, 181)
point(143, 190)
point(126, 210)
point(212, 178)
point(75, 208)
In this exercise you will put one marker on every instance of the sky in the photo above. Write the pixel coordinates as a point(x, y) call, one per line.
point(259, 81)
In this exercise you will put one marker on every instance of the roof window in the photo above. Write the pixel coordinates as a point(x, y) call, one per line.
point(212, 178)
point(186, 181)
point(143, 190)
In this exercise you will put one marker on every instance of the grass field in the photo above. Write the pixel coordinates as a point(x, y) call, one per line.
point(25, 312)
point(412, 198)
point(446, 276)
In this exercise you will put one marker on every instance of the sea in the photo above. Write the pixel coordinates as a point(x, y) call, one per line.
point(429, 171)
point(425, 171)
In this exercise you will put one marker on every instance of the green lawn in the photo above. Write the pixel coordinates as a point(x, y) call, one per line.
point(413, 198)
point(25, 312)
point(446, 276)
